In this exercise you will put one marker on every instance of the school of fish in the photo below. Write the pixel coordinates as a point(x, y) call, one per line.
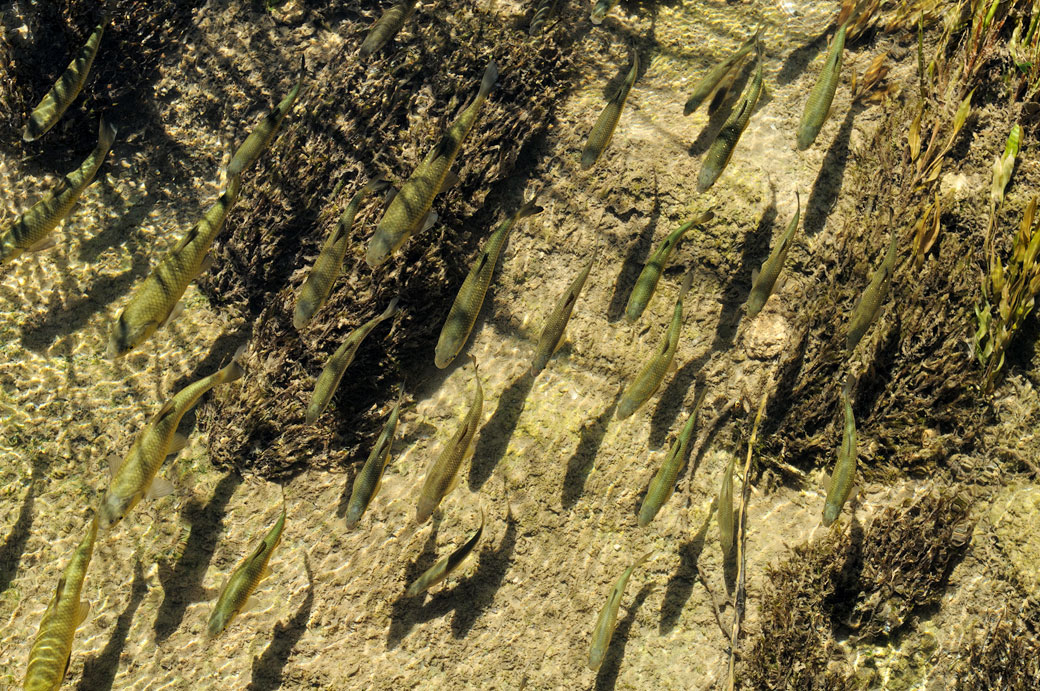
point(156, 300)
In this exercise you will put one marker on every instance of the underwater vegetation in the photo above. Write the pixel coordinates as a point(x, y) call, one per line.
point(308, 261)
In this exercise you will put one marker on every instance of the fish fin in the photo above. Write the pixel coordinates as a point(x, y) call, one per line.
point(391, 192)
point(754, 276)
point(166, 409)
point(780, 283)
point(159, 488)
point(177, 442)
point(454, 483)
point(114, 462)
point(206, 265)
point(82, 611)
point(451, 178)
point(44, 244)
point(428, 222)
point(177, 310)
point(187, 239)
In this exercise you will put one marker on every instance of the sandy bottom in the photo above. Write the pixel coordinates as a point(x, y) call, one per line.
point(559, 478)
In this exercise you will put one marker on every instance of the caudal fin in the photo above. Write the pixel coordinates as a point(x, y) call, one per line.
point(106, 135)
point(490, 77)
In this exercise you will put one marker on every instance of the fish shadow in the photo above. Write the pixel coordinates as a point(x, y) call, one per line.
point(735, 293)
point(633, 262)
point(62, 319)
point(496, 433)
point(580, 464)
point(469, 598)
point(827, 187)
point(14, 544)
point(721, 114)
point(99, 672)
point(671, 399)
point(606, 677)
point(267, 669)
point(787, 376)
point(404, 614)
point(182, 583)
point(680, 585)
point(799, 58)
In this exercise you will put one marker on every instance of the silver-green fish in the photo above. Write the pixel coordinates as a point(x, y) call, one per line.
point(244, 580)
point(66, 89)
point(822, 95)
point(156, 296)
point(386, 27)
point(332, 373)
point(703, 88)
point(33, 228)
point(646, 284)
point(52, 649)
point(444, 566)
point(727, 527)
point(464, 311)
point(845, 467)
point(607, 619)
point(721, 150)
point(264, 133)
point(603, 130)
point(329, 264)
point(443, 473)
point(600, 10)
point(649, 378)
point(764, 279)
point(136, 478)
point(366, 484)
point(869, 304)
point(552, 332)
point(663, 484)
point(411, 205)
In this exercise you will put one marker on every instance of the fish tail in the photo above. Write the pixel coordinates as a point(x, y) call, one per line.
point(377, 185)
point(642, 560)
point(847, 8)
point(106, 135)
point(529, 209)
point(391, 309)
point(490, 77)
point(233, 370)
point(686, 284)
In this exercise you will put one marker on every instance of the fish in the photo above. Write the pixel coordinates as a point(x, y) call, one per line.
point(332, 373)
point(603, 130)
point(646, 284)
point(845, 467)
point(727, 527)
point(366, 484)
point(244, 580)
point(464, 311)
point(327, 266)
point(155, 298)
point(444, 566)
point(663, 484)
point(869, 304)
point(54, 104)
point(555, 325)
point(818, 106)
point(31, 231)
point(600, 10)
point(721, 150)
point(264, 133)
point(542, 11)
point(52, 648)
point(764, 279)
point(412, 204)
point(386, 27)
point(706, 84)
point(443, 473)
point(607, 619)
point(136, 477)
point(649, 378)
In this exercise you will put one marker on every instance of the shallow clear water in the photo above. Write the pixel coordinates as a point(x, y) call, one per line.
point(565, 479)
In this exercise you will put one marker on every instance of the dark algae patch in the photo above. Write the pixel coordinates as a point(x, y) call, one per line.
point(357, 120)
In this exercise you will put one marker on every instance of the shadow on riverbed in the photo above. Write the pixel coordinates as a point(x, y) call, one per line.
point(580, 464)
point(606, 678)
point(99, 672)
point(469, 598)
point(267, 669)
